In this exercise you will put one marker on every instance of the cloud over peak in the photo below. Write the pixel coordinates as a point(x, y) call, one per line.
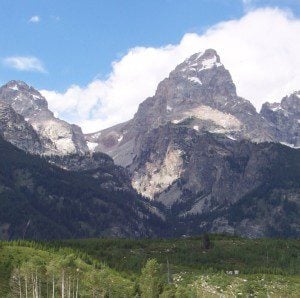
point(25, 63)
point(260, 50)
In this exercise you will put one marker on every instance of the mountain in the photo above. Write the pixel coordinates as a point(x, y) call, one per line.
point(56, 136)
point(42, 201)
point(200, 150)
point(199, 93)
point(17, 131)
point(285, 116)
point(203, 157)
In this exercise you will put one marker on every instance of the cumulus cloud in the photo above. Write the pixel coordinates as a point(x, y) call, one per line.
point(25, 63)
point(261, 50)
point(34, 19)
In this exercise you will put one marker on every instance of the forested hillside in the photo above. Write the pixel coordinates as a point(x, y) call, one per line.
point(42, 201)
point(208, 266)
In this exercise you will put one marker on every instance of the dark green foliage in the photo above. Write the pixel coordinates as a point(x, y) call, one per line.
point(206, 243)
point(41, 201)
point(139, 267)
point(276, 256)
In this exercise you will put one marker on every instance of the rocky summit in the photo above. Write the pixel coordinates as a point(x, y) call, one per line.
point(199, 94)
point(285, 116)
point(194, 145)
point(56, 136)
point(196, 155)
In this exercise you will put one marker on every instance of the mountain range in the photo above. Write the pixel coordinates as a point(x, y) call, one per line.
point(195, 158)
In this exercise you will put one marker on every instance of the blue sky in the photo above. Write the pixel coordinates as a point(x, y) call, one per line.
point(95, 61)
point(78, 40)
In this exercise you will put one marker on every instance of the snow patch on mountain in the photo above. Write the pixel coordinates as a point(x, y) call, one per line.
point(210, 63)
point(290, 145)
point(202, 61)
point(14, 87)
point(92, 146)
point(195, 80)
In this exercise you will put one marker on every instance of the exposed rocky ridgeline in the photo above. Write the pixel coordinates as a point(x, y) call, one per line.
point(285, 116)
point(97, 165)
point(207, 181)
point(17, 131)
point(56, 136)
point(199, 93)
point(270, 209)
point(206, 159)
point(27, 123)
point(195, 147)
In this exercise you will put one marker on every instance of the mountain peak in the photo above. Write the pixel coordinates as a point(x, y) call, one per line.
point(200, 61)
point(292, 103)
point(58, 136)
point(17, 85)
point(25, 100)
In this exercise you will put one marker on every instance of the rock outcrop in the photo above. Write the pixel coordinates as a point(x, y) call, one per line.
point(200, 149)
point(285, 117)
point(56, 136)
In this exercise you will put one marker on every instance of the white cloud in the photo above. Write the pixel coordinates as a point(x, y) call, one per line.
point(261, 50)
point(25, 63)
point(34, 19)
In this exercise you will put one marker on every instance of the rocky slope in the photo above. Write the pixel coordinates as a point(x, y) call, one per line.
point(200, 149)
point(200, 93)
point(17, 131)
point(285, 116)
point(56, 136)
point(105, 190)
point(206, 159)
point(270, 209)
point(199, 175)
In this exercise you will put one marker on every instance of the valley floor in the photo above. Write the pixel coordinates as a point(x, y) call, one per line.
point(211, 266)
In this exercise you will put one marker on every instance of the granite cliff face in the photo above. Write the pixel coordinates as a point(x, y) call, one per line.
point(199, 149)
point(27, 123)
point(68, 193)
point(285, 116)
point(17, 131)
point(206, 159)
point(56, 136)
point(198, 93)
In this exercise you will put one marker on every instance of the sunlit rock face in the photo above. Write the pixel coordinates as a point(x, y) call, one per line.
point(197, 147)
point(56, 136)
point(199, 94)
point(285, 116)
point(17, 131)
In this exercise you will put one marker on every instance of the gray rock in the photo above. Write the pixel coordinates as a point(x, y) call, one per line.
point(17, 131)
point(200, 94)
point(199, 148)
point(57, 136)
point(285, 116)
